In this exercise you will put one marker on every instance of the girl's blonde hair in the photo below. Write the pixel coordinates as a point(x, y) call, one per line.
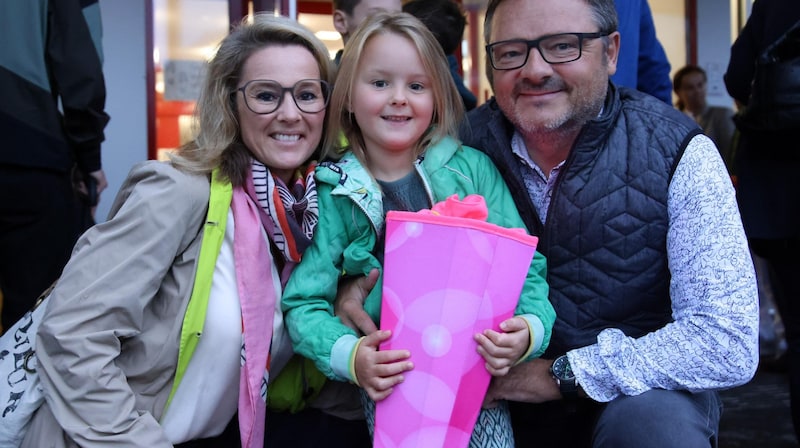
point(219, 141)
point(448, 109)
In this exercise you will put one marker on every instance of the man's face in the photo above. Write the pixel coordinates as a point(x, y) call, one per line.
point(693, 92)
point(346, 24)
point(540, 96)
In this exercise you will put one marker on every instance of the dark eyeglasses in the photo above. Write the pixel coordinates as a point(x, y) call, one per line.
point(555, 49)
point(264, 96)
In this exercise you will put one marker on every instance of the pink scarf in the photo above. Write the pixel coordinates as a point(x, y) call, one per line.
point(289, 216)
point(257, 297)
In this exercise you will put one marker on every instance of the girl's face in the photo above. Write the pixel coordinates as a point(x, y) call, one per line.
point(392, 97)
point(284, 139)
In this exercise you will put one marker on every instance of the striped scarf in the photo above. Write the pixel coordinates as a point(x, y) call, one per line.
point(292, 210)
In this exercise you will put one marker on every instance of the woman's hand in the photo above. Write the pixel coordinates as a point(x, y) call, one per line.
point(378, 372)
point(502, 350)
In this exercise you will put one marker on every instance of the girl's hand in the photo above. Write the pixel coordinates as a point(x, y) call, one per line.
point(379, 371)
point(502, 350)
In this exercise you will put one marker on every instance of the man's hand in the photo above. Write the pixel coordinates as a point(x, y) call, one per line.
point(100, 184)
point(529, 382)
point(379, 371)
point(349, 305)
point(100, 177)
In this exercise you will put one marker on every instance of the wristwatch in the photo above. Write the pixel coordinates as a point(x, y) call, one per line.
point(562, 373)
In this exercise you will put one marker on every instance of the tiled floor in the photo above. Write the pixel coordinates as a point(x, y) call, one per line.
point(756, 415)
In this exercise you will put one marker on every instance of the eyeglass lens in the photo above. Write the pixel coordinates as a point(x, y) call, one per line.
point(554, 49)
point(265, 96)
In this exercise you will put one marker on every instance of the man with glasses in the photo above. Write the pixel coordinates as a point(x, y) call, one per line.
point(648, 265)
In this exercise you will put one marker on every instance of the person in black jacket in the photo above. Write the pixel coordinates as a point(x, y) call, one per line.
point(52, 122)
point(446, 20)
point(768, 191)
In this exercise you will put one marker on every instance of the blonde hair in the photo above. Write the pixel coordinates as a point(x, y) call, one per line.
point(448, 109)
point(219, 141)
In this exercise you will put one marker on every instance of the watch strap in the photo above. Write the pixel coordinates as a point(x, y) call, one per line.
point(569, 388)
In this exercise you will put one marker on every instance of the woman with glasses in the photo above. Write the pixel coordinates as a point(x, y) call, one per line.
point(165, 327)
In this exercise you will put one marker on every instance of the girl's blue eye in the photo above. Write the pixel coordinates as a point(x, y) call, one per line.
point(380, 83)
point(416, 86)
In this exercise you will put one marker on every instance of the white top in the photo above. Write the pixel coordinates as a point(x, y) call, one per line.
point(208, 395)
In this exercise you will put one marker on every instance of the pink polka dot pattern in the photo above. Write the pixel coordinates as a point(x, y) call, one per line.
point(445, 279)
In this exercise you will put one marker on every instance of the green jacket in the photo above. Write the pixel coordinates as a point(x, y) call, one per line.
point(351, 213)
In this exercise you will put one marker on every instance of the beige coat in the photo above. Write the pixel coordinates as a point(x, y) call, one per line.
point(108, 344)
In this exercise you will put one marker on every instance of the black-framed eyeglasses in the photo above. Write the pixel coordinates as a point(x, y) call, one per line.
point(264, 96)
point(555, 49)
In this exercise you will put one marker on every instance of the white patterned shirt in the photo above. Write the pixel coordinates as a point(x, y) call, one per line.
point(713, 290)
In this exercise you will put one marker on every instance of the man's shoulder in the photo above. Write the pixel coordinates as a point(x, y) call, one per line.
point(652, 109)
point(480, 113)
point(481, 122)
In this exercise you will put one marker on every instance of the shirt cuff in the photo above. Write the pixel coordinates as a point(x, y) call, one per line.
point(343, 357)
point(536, 331)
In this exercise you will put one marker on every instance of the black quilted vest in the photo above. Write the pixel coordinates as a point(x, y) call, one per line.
point(605, 234)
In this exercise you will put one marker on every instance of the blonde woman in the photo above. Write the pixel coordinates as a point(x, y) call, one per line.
point(164, 328)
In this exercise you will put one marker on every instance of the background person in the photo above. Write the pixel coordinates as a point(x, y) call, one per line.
point(60, 62)
point(348, 15)
point(767, 164)
point(118, 353)
point(689, 84)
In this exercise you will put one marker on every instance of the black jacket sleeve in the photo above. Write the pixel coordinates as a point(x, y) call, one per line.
point(76, 75)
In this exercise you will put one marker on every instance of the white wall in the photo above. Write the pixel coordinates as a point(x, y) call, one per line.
point(126, 94)
point(714, 46)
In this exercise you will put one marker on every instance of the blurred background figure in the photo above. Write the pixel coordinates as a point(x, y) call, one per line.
point(52, 121)
point(446, 20)
point(767, 166)
point(348, 15)
point(689, 84)
point(642, 63)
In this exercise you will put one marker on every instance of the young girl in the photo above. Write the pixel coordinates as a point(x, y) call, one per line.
point(398, 108)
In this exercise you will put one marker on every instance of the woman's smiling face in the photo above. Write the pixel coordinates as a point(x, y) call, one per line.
point(284, 139)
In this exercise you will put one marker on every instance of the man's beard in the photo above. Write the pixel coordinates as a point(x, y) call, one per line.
point(574, 117)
